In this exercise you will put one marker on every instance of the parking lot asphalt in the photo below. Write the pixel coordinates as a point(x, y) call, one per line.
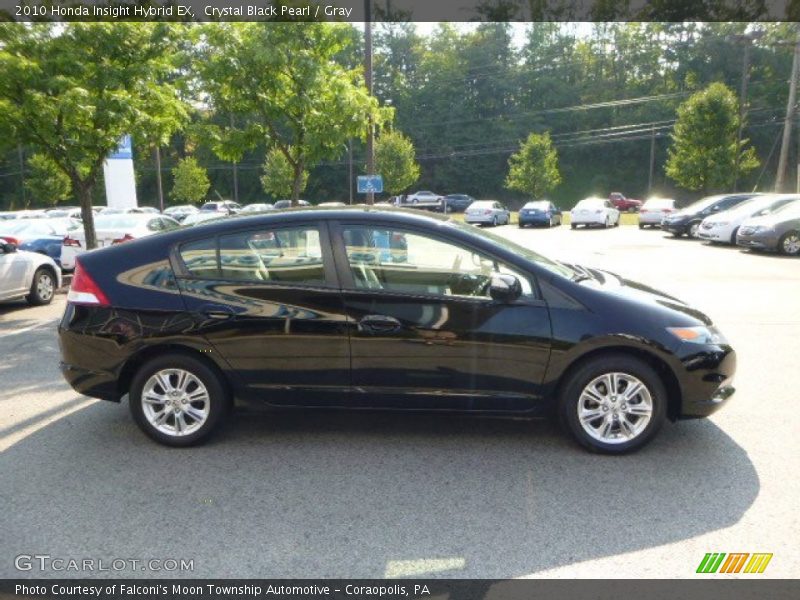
point(307, 494)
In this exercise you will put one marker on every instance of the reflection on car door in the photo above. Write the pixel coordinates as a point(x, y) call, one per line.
point(269, 304)
point(424, 332)
point(13, 271)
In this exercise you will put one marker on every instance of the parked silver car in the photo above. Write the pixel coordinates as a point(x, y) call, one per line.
point(654, 210)
point(28, 275)
point(487, 212)
point(779, 231)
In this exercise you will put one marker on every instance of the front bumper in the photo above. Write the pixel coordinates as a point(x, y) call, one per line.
point(758, 241)
point(679, 227)
point(707, 379)
point(717, 234)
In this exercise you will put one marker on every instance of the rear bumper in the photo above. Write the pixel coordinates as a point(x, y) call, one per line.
point(93, 383)
point(480, 218)
point(535, 219)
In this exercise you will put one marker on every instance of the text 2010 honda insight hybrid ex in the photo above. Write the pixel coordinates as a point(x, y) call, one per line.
point(365, 308)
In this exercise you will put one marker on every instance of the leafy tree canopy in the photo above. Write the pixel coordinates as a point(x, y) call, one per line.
point(395, 160)
point(533, 169)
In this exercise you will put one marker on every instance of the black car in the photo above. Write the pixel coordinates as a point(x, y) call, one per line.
point(392, 309)
point(456, 202)
point(687, 220)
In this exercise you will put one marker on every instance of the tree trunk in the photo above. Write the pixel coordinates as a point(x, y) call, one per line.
point(298, 181)
point(83, 191)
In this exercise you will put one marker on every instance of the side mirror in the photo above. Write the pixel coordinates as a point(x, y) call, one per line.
point(9, 248)
point(504, 287)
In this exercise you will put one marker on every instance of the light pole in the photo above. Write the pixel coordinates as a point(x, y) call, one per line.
point(787, 124)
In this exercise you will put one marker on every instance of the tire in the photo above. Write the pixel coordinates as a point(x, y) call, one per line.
point(521, 225)
point(212, 408)
point(733, 236)
point(650, 404)
point(494, 222)
point(789, 243)
point(43, 287)
point(641, 226)
point(693, 229)
point(573, 226)
point(607, 224)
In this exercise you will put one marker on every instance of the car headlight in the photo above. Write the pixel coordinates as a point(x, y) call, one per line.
point(760, 228)
point(719, 224)
point(698, 335)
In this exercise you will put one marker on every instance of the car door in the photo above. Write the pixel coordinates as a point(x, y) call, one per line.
point(267, 300)
point(423, 331)
point(14, 268)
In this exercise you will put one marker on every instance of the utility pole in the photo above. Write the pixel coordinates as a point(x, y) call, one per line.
point(787, 124)
point(746, 39)
point(158, 180)
point(350, 168)
point(368, 80)
point(21, 155)
point(652, 158)
point(235, 174)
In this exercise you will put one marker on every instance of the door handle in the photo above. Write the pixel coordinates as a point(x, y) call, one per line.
point(217, 314)
point(377, 324)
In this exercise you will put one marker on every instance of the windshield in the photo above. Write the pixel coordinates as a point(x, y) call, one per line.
point(534, 257)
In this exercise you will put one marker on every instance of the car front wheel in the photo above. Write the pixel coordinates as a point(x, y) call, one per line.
point(694, 229)
point(43, 287)
point(177, 400)
point(613, 404)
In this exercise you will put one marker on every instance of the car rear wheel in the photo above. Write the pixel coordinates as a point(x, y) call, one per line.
point(790, 244)
point(613, 404)
point(43, 287)
point(573, 226)
point(177, 400)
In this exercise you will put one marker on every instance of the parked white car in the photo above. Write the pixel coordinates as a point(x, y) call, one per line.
point(28, 275)
point(423, 199)
point(655, 209)
point(594, 211)
point(113, 229)
point(722, 227)
point(487, 212)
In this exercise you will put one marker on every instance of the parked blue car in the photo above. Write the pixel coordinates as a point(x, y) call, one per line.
point(540, 212)
point(37, 235)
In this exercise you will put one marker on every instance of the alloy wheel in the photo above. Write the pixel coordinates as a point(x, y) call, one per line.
point(791, 244)
point(45, 287)
point(615, 408)
point(175, 402)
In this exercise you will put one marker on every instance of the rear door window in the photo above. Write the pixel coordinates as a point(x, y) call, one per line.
point(280, 255)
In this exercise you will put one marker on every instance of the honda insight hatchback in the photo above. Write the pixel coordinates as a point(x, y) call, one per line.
point(388, 309)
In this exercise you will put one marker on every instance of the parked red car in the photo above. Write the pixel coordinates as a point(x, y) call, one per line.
point(623, 204)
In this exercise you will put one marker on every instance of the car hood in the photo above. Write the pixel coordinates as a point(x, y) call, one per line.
point(641, 294)
point(771, 219)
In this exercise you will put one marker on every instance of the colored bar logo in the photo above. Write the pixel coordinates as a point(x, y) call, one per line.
point(719, 562)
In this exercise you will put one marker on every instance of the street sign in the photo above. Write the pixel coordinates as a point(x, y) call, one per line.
point(370, 183)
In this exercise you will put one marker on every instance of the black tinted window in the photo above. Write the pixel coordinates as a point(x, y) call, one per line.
point(200, 258)
point(280, 255)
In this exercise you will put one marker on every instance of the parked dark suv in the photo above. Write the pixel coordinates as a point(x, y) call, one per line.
point(370, 308)
point(687, 220)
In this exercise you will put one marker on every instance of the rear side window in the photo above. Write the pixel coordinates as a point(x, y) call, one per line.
point(291, 255)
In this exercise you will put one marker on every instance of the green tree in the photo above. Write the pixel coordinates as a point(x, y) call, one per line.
point(533, 169)
point(46, 182)
point(703, 151)
point(190, 181)
point(287, 91)
point(278, 177)
point(71, 91)
point(396, 161)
